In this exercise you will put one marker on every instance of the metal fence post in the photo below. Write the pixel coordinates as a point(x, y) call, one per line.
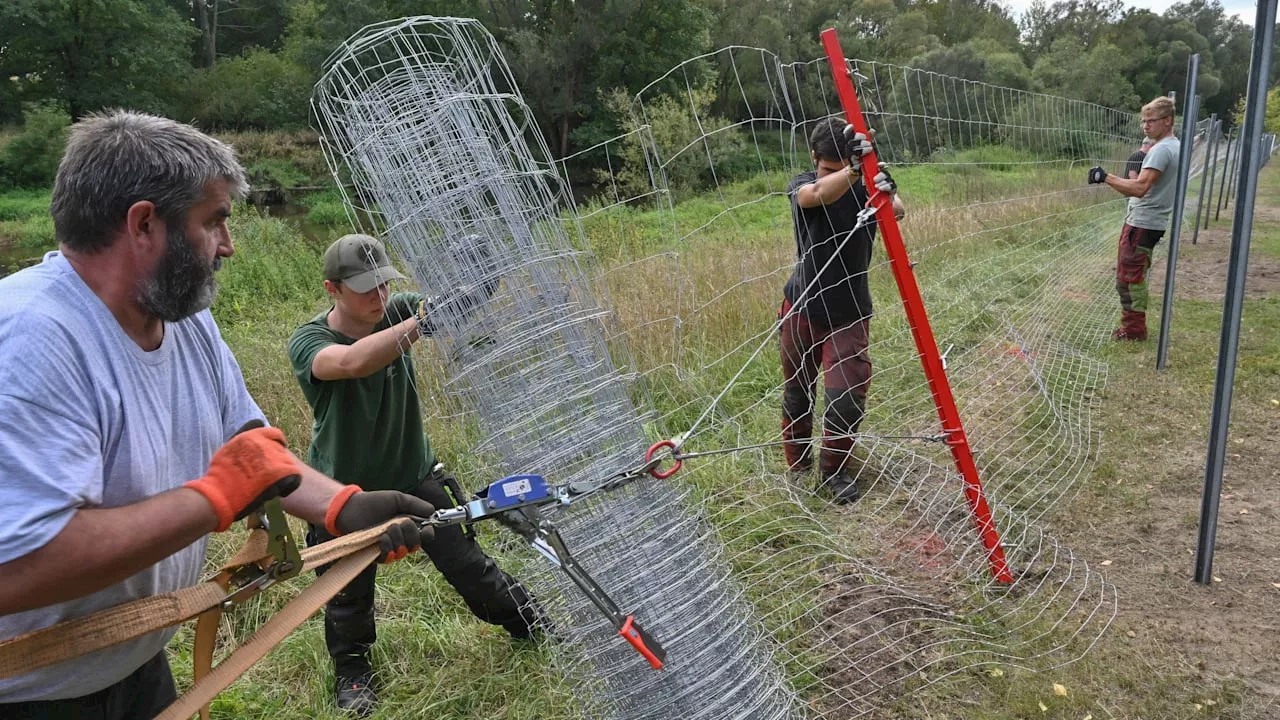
point(1251, 136)
point(1226, 170)
point(1179, 204)
point(1213, 171)
point(1235, 169)
point(1204, 172)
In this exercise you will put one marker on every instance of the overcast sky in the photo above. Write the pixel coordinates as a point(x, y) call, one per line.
point(1244, 9)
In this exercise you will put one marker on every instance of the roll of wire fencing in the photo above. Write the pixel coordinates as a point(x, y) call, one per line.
point(422, 119)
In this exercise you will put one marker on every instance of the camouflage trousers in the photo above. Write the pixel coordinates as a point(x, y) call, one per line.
point(840, 354)
point(1132, 263)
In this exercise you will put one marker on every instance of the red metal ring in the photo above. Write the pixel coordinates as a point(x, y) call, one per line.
point(674, 468)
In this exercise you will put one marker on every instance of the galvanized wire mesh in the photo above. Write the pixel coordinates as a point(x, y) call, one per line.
point(445, 165)
point(1014, 254)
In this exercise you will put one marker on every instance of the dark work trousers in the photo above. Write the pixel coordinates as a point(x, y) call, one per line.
point(491, 594)
point(809, 346)
point(140, 696)
point(1132, 263)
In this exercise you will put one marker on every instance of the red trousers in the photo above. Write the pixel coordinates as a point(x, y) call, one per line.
point(809, 346)
point(1133, 260)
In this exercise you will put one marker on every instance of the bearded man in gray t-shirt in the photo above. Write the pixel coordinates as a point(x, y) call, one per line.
point(1151, 197)
point(126, 431)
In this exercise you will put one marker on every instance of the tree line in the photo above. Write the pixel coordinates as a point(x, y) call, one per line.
point(250, 64)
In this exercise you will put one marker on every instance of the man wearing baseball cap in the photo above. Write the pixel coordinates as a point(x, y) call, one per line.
point(354, 368)
point(1133, 166)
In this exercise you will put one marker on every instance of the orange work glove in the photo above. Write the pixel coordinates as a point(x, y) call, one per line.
point(253, 467)
point(353, 509)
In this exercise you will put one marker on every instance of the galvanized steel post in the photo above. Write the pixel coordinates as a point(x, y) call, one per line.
point(1251, 144)
point(1179, 203)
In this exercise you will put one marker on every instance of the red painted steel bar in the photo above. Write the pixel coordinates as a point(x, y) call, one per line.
point(926, 345)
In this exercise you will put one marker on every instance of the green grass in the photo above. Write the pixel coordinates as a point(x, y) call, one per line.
point(274, 268)
point(25, 223)
point(24, 204)
point(276, 172)
point(33, 234)
point(325, 208)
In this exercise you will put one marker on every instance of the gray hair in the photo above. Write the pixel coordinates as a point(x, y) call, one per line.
point(117, 158)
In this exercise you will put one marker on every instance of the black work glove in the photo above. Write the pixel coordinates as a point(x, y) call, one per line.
point(884, 182)
point(1097, 176)
point(367, 509)
point(856, 144)
point(426, 326)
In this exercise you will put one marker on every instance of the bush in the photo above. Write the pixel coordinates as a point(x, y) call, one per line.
point(258, 91)
point(690, 141)
point(31, 158)
point(326, 208)
point(281, 155)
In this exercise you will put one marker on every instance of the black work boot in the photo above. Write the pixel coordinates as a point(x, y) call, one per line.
point(841, 488)
point(354, 693)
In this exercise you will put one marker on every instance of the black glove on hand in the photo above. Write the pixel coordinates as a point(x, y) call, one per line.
point(366, 509)
point(1097, 175)
point(884, 181)
point(426, 327)
point(856, 144)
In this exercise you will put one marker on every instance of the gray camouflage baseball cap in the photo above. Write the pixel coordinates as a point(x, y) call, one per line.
point(360, 262)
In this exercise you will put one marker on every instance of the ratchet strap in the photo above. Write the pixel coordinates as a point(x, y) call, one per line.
point(69, 639)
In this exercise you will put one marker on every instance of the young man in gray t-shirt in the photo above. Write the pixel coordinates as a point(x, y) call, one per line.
point(1151, 197)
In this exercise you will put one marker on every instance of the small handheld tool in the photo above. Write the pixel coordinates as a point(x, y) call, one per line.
point(286, 562)
point(517, 501)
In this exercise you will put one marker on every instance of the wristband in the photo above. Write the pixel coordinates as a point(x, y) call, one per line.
point(335, 508)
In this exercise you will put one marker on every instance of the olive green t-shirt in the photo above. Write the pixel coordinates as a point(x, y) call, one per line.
point(367, 431)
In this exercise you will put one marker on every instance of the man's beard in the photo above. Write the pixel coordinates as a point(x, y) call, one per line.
point(182, 284)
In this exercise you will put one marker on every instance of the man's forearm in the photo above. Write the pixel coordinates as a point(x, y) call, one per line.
point(373, 353)
point(1128, 188)
point(100, 547)
point(826, 190)
point(312, 498)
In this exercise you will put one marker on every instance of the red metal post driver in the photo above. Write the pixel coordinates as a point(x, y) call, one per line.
point(926, 345)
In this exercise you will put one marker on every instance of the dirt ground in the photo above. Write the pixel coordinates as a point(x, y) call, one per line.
point(1144, 508)
point(1202, 268)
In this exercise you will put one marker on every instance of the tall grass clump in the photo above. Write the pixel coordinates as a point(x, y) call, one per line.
point(326, 208)
point(24, 204)
point(274, 270)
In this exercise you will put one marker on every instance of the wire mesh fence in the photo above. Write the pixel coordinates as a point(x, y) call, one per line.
point(653, 311)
